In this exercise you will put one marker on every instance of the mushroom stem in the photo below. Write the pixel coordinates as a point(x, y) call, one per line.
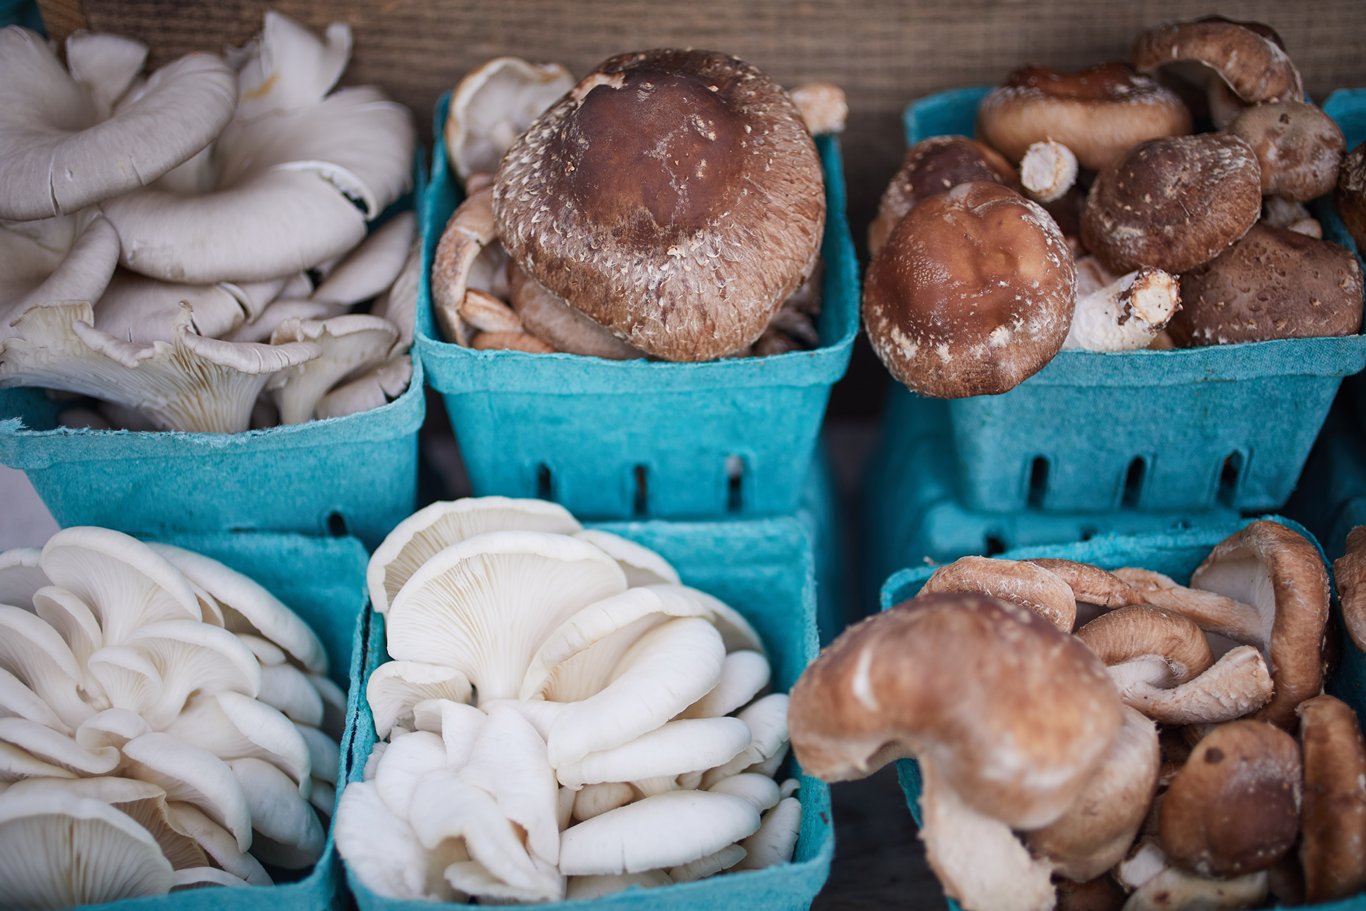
point(1048, 170)
point(1127, 314)
point(1213, 613)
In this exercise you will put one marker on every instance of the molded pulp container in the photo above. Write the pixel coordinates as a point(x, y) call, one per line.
point(913, 516)
point(323, 581)
point(1228, 425)
point(764, 570)
point(1331, 497)
point(819, 515)
point(624, 439)
point(353, 475)
point(1175, 554)
point(1348, 108)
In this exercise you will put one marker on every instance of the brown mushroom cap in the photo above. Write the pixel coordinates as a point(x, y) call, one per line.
point(1099, 113)
point(933, 166)
point(1248, 56)
point(1014, 714)
point(1234, 807)
point(1173, 203)
point(1090, 584)
point(1350, 196)
point(1137, 632)
point(1297, 146)
point(548, 317)
point(1333, 843)
point(673, 196)
point(1349, 571)
point(972, 294)
point(1277, 571)
point(1273, 283)
point(1026, 584)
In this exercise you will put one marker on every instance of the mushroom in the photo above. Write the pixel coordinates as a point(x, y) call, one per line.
point(396, 687)
point(1126, 314)
point(595, 799)
point(674, 749)
point(1271, 284)
point(1027, 584)
point(641, 565)
point(287, 67)
point(106, 66)
point(972, 294)
point(1098, 113)
point(468, 256)
point(493, 104)
point(1048, 170)
point(486, 313)
point(728, 858)
point(710, 165)
point(1298, 147)
point(370, 390)
point(1349, 571)
point(57, 155)
point(776, 838)
point(1333, 832)
point(1293, 216)
point(58, 259)
point(234, 726)
point(371, 268)
point(348, 344)
point(744, 674)
point(823, 107)
point(546, 316)
point(1248, 57)
point(1172, 204)
point(933, 166)
point(1350, 196)
point(1234, 808)
point(586, 888)
point(286, 832)
point(142, 310)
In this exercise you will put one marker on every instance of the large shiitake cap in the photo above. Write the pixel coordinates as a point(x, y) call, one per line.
point(933, 166)
point(1272, 284)
point(1298, 147)
point(1099, 113)
point(1173, 203)
point(1248, 56)
point(1234, 807)
point(674, 196)
point(972, 294)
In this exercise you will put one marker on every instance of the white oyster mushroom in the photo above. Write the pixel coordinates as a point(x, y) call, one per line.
point(373, 389)
point(17, 700)
point(191, 775)
point(323, 797)
point(265, 651)
point(396, 687)
point(324, 759)
point(760, 790)
point(666, 752)
point(382, 851)
point(280, 311)
point(493, 105)
point(564, 807)
point(776, 839)
point(17, 765)
point(71, 618)
point(56, 260)
point(248, 608)
point(663, 831)
point(348, 344)
point(286, 832)
point(294, 693)
point(596, 799)
point(334, 705)
point(39, 658)
point(233, 726)
point(20, 576)
point(203, 878)
point(191, 383)
point(128, 683)
point(641, 565)
point(743, 676)
point(399, 304)
point(585, 888)
point(58, 749)
point(112, 727)
point(105, 66)
point(191, 656)
point(216, 842)
point(59, 851)
point(57, 156)
point(287, 67)
point(767, 720)
point(483, 606)
point(142, 310)
point(430, 530)
point(722, 860)
point(371, 269)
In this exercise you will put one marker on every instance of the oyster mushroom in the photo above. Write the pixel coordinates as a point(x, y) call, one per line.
point(493, 105)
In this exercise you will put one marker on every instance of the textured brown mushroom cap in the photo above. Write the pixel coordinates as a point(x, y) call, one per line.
point(1014, 714)
point(1234, 807)
point(1099, 112)
point(1333, 840)
point(1248, 56)
point(1350, 196)
point(1090, 584)
point(1026, 584)
point(1266, 562)
point(1297, 146)
point(933, 166)
point(1136, 632)
point(1349, 571)
point(1173, 203)
point(673, 196)
point(1273, 283)
point(972, 294)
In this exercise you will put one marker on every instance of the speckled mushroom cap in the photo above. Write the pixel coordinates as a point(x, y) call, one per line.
point(1333, 839)
point(1349, 571)
point(1248, 56)
point(933, 166)
point(1013, 714)
point(972, 294)
point(1273, 283)
point(674, 196)
point(1298, 147)
point(1350, 197)
point(1172, 203)
point(1099, 113)
point(1234, 808)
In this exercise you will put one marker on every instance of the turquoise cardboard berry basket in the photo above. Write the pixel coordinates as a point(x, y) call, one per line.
point(323, 581)
point(641, 439)
point(353, 475)
point(1175, 554)
point(1331, 497)
point(1348, 108)
point(772, 585)
point(912, 515)
point(1229, 425)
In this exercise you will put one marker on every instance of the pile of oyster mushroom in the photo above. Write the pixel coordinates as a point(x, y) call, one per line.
point(1146, 760)
point(1086, 214)
point(165, 723)
point(189, 248)
point(560, 718)
point(670, 205)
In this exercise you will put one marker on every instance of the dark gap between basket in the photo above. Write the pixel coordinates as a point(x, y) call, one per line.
point(1133, 482)
point(1038, 481)
point(545, 482)
point(641, 505)
point(735, 478)
point(1230, 473)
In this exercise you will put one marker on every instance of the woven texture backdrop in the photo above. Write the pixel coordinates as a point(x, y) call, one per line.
point(883, 52)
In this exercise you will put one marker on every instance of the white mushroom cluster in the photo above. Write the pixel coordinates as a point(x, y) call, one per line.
point(561, 717)
point(1179, 785)
point(165, 723)
point(191, 247)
